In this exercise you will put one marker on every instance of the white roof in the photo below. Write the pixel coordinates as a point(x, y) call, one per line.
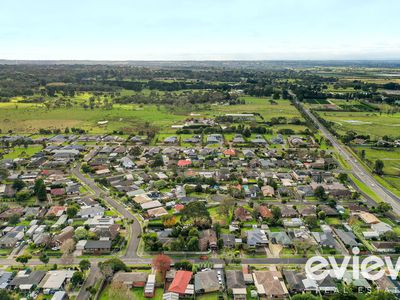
point(151, 204)
point(56, 278)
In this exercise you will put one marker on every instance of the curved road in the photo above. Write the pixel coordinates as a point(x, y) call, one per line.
point(357, 169)
point(135, 230)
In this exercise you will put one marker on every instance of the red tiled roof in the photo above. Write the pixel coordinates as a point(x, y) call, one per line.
point(264, 212)
point(184, 162)
point(230, 152)
point(179, 207)
point(180, 282)
point(55, 209)
point(57, 192)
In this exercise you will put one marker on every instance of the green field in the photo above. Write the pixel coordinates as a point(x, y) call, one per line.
point(390, 157)
point(374, 124)
point(391, 160)
point(283, 108)
point(22, 152)
point(29, 118)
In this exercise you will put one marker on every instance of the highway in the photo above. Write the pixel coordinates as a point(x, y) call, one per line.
point(357, 169)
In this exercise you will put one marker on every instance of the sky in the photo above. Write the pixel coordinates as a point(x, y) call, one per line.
point(199, 29)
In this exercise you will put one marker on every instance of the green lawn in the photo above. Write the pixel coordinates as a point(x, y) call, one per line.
point(365, 188)
point(209, 296)
point(22, 152)
point(137, 294)
point(333, 221)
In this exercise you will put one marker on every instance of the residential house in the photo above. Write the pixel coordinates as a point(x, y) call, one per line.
point(288, 211)
point(297, 282)
point(180, 283)
point(270, 284)
point(281, 238)
point(25, 280)
point(256, 238)
point(91, 212)
point(131, 279)
point(206, 282)
point(268, 191)
point(97, 247)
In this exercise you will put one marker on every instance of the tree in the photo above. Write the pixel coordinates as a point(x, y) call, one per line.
point(381, 295)
point(306, 296)
point(343, 177)
point(81, 233)
point(44, 258)
point(321, 215)
point(276, 212)
point(5, 295)
point(84, 265)
point(162, 263)
point(86, 168)
point(111, 266)
point(40, 190)
point(320, 193)
point(23, 259)
point(383, 207)
point(13, 219)
point(363, 154)
point(198, 213)
point(302, 246)
point(198, 188)
point(77, 278)
point(344, 296)
point(22, 195)
point(158, 161)
point(72, 210)
point(169, 221)
point(390, 236)
point(378, 168)
point(151, 242)
point(18, 185)
point(193, 244)
point(184, 265)
point(226, 205)
point(311, 221)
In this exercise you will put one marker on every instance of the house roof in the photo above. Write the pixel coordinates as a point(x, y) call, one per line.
point(230, 152)
point(368, 218)
point(269, 283)
point(98, 244)
point(235, 279)
point(264, 211)
point(130, 277)
point(256, 237)
point(206, 280)
point(180, 282)
point(55, 279)
point(33, 278)
point(348, 238)
point(294, 280)
point(280, 238)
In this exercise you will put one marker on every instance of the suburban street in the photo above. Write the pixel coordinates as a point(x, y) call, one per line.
point(357, 169)
point(135, 229)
